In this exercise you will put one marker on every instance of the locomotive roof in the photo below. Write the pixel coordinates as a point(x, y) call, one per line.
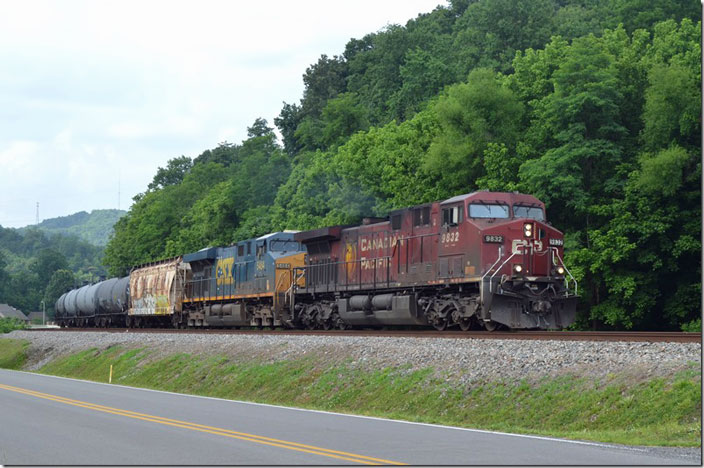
point(326, 233)
point(507, 197)
point(278, 233)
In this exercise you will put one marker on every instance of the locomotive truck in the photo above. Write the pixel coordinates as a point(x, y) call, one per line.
point(484, 259)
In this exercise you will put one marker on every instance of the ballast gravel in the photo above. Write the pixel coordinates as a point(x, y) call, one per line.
point(462, 361)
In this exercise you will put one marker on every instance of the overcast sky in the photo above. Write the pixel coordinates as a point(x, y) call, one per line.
point(95, 91)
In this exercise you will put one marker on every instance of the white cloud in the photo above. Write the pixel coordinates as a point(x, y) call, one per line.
point(90, 90)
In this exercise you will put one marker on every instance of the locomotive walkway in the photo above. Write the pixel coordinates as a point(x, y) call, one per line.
point(86, 423)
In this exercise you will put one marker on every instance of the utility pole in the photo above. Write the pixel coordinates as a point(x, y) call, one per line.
point(43, 313)
point(37, 213)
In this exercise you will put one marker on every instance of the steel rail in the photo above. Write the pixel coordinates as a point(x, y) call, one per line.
point(682, 337)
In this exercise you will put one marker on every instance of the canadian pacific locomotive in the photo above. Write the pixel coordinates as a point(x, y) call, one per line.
point(484, 259)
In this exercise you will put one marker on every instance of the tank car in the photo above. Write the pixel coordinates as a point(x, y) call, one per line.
point(70, 308)
point(60, 310)
point(481, 259)
point(111, 302)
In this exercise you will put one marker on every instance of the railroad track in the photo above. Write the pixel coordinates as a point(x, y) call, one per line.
point(681, 337)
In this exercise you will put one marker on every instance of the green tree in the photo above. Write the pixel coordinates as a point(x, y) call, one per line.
point(579, 125)
point(224, 154)
point(48, 261)
point(423, 75)
point(490, 32)
point(651, 238)
point(61, 281)
point(342, 117)
point(471, 115)
point(4, 277)
point(173, 174)
point(287, 122)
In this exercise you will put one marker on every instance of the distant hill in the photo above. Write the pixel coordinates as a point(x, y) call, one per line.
point(94, 227)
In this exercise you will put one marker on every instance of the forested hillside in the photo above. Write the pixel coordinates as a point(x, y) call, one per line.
point(95, 227)
point(593, 106)
point(35, 266)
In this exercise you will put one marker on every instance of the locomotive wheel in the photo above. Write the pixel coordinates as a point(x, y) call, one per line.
point(440, 324)
point(491, 325)
point(338, 322)
point(465, 324)
point(436, 320)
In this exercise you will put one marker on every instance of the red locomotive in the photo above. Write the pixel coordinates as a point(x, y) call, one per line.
point(483, 259)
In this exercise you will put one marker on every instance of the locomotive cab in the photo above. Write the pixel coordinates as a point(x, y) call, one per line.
point(524, 282)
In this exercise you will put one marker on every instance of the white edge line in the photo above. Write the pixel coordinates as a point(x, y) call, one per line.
point(293, 408)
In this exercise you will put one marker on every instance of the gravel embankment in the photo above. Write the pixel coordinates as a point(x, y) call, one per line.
point(463, 360)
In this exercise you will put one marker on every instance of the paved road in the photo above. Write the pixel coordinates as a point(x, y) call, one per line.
point(48, 420)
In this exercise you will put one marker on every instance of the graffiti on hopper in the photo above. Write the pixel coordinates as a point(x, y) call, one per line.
point(151, 305)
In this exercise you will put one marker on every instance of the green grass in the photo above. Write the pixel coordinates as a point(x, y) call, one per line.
point(654, 412)
point(12, 353)
point(8, 324)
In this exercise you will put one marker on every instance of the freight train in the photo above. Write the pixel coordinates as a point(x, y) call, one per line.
point(480, 260)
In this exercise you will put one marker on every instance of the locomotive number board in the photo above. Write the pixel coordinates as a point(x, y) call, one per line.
point(494, 239)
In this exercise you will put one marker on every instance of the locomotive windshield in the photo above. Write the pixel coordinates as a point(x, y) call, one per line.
point(283, 245)
point(487, 210)
point(533, 212)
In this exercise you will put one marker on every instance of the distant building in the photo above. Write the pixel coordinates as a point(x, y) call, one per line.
point(7, 311)
point(35, 317)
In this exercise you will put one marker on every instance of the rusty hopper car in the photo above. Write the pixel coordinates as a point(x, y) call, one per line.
point(156, 293)
point(483, 259)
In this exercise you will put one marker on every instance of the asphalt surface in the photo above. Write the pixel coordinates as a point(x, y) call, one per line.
point(48, 420)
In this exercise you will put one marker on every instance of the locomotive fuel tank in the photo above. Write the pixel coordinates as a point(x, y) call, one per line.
point(381, 309)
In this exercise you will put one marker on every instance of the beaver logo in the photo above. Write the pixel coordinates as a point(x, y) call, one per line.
point(351, 259)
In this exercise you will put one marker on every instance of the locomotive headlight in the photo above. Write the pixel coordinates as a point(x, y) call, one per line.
point(528, 229)
point(560, 271)
point(518, 268)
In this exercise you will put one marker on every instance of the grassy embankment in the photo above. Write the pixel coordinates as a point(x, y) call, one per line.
point(617, 409)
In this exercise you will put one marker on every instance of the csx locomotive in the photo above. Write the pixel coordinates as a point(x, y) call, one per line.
point(484, 259)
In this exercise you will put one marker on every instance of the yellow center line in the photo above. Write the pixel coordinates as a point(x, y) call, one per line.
point(208, 429)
